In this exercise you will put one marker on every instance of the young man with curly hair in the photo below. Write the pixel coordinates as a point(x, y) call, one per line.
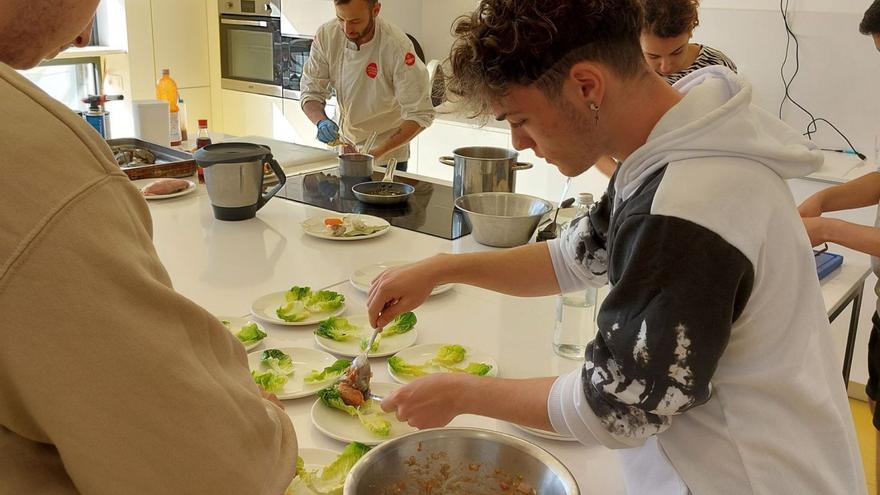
point(711, 369)
point(858, 193)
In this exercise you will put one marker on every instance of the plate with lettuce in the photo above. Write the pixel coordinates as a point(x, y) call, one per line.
point(345, 227)
point(294, 372)
point(249, 333)
point(348, 336)
point(429, 359)
point(321, 472)
point(366, 424)
point(298, 306)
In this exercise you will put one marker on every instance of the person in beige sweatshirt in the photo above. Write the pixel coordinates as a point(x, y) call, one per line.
point(110, 381)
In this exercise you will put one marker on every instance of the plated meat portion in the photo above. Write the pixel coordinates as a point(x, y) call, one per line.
point(166, 186)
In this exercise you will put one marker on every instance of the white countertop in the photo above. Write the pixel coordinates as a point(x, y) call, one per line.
point(225, 266)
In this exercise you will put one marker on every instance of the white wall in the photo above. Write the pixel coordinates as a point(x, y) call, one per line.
point(839, 67)
point(305, 16)
point(437, 19)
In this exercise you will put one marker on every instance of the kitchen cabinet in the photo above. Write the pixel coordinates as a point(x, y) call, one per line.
point(198, 106)
point(246, 114)
point(180, 41)
point(443, 137)
point(298, 128)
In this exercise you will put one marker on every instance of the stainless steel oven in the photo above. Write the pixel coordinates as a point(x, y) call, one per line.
point(251, 46)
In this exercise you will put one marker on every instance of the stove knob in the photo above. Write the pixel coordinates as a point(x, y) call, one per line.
point(230, 5)
point(268, 8)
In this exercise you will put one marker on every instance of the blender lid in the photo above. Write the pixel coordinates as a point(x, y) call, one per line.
point(214, 154)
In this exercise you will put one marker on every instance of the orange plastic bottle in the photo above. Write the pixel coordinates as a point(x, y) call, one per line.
point(166, 90)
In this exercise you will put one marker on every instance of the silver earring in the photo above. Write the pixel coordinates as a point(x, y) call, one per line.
point(595, 108)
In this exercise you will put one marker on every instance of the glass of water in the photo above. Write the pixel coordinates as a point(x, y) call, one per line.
point(575, 323)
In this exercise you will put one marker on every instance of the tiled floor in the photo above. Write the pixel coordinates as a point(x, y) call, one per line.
point(867, 440)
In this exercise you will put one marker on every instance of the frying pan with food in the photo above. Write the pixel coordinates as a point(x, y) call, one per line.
point(384, 192)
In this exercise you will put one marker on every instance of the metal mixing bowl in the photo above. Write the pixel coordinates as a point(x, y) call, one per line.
point(503, 219)
point(459, 461)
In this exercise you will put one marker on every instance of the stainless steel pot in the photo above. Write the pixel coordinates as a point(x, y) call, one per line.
point(483, 169)
point(459, 460)
point(355, 165)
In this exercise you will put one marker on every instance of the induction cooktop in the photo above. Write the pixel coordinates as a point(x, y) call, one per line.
point(430, 210)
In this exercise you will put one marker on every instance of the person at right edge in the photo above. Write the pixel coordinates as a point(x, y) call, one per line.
point(666, 45)
point(858, 193)
point(711, 371)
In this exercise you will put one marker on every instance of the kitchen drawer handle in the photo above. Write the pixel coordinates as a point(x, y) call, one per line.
point(237, 22)
point(522, 166)
point(447, 160)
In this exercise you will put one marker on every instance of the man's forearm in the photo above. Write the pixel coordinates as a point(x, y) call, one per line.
point(523, 402)
point(858, 193)
point(315, 111)
point(525, 271)
point(861, 238)
point(404, 134)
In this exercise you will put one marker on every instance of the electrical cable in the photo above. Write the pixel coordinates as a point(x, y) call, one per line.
point(812, 127)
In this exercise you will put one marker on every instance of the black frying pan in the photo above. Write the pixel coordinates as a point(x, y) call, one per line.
point(385, 191)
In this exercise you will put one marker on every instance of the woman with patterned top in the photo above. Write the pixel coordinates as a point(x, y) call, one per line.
point(666, 40)
point(666, 45)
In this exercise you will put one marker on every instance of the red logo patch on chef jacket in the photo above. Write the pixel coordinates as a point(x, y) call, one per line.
point(372, 70)
point(409, 59)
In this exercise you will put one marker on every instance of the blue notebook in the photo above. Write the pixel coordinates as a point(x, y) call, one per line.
point(826, 263)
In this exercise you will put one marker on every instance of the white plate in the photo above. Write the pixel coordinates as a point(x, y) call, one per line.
point(264, 309)
point(235, 324)
point(549, 435)
point(362, 278)
point(341, 426)
point(315, 227)
point(352, 348)
point(422, 353)
point(312, 459)
point(190, 188)
point(304, 361)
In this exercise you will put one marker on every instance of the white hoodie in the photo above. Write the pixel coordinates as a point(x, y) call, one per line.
point(713, 366)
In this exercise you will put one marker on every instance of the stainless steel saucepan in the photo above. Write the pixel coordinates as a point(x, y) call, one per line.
point(385, 191)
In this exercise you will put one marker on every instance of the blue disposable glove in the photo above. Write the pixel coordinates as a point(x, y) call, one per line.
point(327, 131)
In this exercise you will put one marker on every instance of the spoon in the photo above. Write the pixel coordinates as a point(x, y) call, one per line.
point(549, 232)
point(361, 364)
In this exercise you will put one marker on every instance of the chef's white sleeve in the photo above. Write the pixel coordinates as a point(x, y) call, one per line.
point(315, 82)
point(413, 91)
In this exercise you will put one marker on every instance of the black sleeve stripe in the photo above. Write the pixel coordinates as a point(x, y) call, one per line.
point(677, 290)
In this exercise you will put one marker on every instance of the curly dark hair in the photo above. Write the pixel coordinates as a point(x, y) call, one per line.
point(370, 3)
point(671, 18)
point(507, 43)
point(871, 22)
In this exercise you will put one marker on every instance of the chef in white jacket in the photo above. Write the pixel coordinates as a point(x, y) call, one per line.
point(381, 85)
